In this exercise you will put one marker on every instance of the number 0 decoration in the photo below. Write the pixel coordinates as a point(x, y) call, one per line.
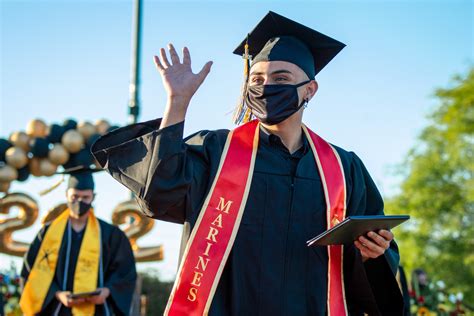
point(39, 151)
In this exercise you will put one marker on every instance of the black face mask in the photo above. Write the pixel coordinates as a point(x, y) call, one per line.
point(79, 208)
point(272, 104)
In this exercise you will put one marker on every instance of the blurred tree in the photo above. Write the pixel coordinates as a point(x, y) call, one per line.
point(438, 192)
point(156, 290)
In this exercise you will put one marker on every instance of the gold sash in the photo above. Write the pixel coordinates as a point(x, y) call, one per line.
point(42, 273)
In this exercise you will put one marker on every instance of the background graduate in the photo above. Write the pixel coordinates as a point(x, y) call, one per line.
point(269, 270)
point(77, 253)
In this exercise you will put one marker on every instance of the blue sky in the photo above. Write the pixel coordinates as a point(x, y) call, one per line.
point(63, 59)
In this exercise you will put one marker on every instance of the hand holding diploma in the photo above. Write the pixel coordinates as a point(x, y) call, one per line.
point(374, 244)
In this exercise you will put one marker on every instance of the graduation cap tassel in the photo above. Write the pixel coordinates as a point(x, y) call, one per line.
point(52, 188)
point(242, 113)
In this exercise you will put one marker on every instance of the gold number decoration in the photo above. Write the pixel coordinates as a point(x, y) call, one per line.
point(27, 215)
point(136, 226)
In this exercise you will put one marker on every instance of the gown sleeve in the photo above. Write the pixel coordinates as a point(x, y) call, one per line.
point(120, 275)
point(371, 286)
point(168, 175)
point(30, 256)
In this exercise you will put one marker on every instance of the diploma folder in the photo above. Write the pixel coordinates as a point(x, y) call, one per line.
point(84, 294)
point(354, 226)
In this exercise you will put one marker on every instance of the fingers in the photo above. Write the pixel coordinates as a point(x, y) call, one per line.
point(173, 54)
point(376, 245)
point(164, 62)
point(93, 300)
point(366, 252)
point(186, 56)
point(76, 301)
point(164, 59)
point(158, 64)
point(205, 71)
point(379, 240)
point(388, 235)
point(370, 248)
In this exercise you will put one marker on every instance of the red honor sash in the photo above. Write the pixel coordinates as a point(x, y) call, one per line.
point(334, 186)
point(214, 233)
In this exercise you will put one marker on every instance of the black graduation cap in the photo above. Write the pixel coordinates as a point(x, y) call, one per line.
point(278, 38)
point(80, 177)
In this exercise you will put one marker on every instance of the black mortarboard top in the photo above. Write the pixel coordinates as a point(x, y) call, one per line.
point(80, 177)
point(278, 38)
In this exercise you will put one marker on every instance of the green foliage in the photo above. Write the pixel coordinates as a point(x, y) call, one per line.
point(156, 291)
point(438, 192)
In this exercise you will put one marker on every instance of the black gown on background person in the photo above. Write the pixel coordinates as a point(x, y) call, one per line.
point(270, 270)
point(118, 268)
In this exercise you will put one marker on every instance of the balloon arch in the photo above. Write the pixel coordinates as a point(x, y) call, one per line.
point(40, 151)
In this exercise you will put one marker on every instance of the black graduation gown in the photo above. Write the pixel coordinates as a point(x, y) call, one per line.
point(118, 268)
point(270, 271)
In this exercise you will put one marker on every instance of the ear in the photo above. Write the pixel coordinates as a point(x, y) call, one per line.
point(311, 89)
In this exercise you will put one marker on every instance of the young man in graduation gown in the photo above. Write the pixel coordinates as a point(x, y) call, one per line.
point(77, 253)
point(250, 198)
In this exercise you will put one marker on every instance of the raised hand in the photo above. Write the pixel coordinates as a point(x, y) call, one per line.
point(179, 81)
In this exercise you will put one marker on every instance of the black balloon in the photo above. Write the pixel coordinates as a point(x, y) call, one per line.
point(23, 174)
point(70, 163)
point(111, 128)
point(39, 147)
point(56, 132)
point(84, 158)
point(91, 140)
point(69, 124)
point(4, 145)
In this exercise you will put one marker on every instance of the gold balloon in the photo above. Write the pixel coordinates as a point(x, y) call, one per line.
point(47, 168)
point(34, 166)
point(16, 157)
point(25, 217)
point(37, 128)
point(8, 173)
point(73, 141)
point(58, 155)
point(102, 126)
point(4, 186)
point(20, 139)
point(86, 129)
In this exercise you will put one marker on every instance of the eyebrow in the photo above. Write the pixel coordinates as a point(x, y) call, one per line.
point(280, 71)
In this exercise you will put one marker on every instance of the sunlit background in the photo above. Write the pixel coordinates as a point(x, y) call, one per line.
point(71, 59)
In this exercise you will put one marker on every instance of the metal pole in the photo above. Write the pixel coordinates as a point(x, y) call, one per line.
point(134, 88)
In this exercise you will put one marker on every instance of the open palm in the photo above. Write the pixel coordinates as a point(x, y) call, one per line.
point(178, 77)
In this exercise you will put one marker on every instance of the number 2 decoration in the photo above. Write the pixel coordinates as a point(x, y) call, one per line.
point(39, 151)
point(126, 214)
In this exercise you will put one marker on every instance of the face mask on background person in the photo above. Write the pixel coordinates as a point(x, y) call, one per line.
point(78, 207)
